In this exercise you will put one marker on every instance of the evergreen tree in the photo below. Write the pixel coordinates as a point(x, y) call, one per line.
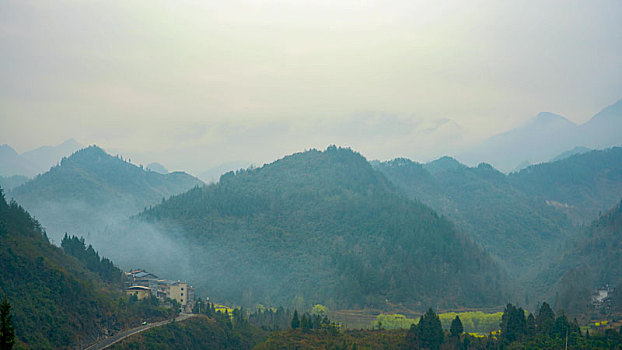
point(513, 323)
point(521, 322)
point(561, 327)
point(456, 328)
point(295, 320)
point(317, 322)
point(77, 248)
point(531, 325)
point(430, 330)
point(545, 319)
point(304, 322)
point(7, 333)
point(412, 337)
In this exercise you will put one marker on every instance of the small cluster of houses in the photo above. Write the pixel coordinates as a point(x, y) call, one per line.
point(143, 284)
point(601, 298)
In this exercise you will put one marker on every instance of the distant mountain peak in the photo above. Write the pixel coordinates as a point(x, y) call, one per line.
point(613, 111)
point(157, 167)
point(11, 163)
point(70, 143)
point(6, 149)
point(442, 164)
point(45, 157)
point(95, 180)
point(336, 154)
point(399, 162)
point(92, 150)
point(94, 157)
point(332, 207)
point(548, 118)
point(537, 140)
point(338, 150)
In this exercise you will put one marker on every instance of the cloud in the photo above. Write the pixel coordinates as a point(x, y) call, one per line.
point(227, 78)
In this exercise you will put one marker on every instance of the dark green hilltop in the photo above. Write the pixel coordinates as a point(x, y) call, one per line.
point(325, 227)
point(522, 218)
point(91, 188)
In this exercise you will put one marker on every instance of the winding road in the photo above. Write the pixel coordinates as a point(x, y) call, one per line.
point(106, 342)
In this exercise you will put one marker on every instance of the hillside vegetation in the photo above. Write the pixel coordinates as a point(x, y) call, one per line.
point(522, 218)
point(581, 186)
point(324, 227)
point(485, 205)
point(590, 260)
point(56, 301)
point(196, 333)
point(91, 188)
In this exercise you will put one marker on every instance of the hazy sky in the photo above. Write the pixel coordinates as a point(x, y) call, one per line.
point(193, 84)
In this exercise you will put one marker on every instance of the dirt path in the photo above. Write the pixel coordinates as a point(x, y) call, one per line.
point(104, 343)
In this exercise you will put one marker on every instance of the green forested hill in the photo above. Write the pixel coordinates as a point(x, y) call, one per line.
point(601, 248)
point(519, 216)
point(56, 301)
point(581, 186)
point(482, 202)
point(324, 227)
point(591, 259)
point(526, 219)
point(89, 188)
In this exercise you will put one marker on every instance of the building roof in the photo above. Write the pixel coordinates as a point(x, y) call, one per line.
point(139, 288)
point(144, 274)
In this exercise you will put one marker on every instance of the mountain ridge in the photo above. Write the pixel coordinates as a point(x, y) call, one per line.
point(546, 136)
point(329, 208)
point(36, 161)
point(92, 183)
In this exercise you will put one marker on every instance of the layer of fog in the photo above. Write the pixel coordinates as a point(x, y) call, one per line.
point(116, 232)
point(111, 230)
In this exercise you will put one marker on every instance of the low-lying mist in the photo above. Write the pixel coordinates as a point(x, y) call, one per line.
point(127, 242)
point(116, 233)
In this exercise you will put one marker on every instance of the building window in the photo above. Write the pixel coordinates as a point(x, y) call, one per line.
point(182, 288)
point(182, 294)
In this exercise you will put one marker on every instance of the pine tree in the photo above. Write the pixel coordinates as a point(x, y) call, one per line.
point(304, 322)
point(561, 327)
point(545, 319)
point(412, 337)
point(531, 325)
point(7, 332)
point(513, 323)
point(430, 330)
point(456, 328)
point(295, 320)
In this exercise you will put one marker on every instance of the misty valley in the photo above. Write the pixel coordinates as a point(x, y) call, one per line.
point(324, 175)
point(321, 249)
